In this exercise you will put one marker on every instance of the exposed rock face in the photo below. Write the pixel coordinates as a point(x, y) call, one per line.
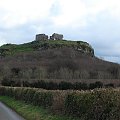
point(81, 46)
point(41, 37)
point(56, 36)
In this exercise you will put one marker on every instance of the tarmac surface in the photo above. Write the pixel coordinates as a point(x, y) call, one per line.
point(8, 114)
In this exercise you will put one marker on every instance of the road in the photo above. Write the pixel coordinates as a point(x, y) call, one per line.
point(8, 114)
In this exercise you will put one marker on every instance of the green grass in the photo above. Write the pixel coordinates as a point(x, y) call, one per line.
point(30, 112)
point(34, 45)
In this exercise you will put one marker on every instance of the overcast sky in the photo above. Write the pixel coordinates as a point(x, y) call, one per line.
point(94, 21)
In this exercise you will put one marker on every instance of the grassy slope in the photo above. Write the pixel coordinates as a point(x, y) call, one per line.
point(31, 46)
point(31, 112)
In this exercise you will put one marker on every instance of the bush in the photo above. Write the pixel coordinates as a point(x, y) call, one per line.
point(95, 105)
point(9, 82)
point(65, 85)
point(97, 84)
point(29, 95)
point(39, 84)
point(98, 104)
point(109, 85)
point(43, 98)
point(51, 86)
point(77, 104)
point(55, 86)
point(6, 82)
point(80, 86)
point(26, 84)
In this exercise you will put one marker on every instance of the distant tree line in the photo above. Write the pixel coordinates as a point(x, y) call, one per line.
point(66, 70)
point(64, 64)
point(63, 85)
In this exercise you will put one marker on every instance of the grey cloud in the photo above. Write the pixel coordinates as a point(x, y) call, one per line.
point(18, 35)
point(112, 59)
point(55, 9)
point(102, 33)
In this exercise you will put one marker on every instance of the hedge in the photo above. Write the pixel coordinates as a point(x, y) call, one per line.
point(98, 104)
point(50, 85)
point(37, 97)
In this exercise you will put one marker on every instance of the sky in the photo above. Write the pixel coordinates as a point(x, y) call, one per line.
point(94, 21)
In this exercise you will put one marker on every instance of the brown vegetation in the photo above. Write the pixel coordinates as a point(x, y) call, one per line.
point(57, 64)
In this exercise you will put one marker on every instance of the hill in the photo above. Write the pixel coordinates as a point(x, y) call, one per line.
point(11, 49)
point(54, 60)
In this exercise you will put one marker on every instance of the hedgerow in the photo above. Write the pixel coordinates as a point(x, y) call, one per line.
point(35, 96)
point(63, 85)
point(97, 104)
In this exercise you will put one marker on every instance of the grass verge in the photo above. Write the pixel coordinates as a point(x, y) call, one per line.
point(30, 112)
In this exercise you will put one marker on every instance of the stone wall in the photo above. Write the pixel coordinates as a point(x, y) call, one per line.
point(55, 36)
point(41, 37)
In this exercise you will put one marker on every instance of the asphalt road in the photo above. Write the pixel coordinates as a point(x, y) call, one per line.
point(8, 114)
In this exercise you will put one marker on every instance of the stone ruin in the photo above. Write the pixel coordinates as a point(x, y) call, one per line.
point(41, 37)
point(55, 36)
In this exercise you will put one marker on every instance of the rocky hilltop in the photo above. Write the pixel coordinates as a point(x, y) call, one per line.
point(43, 42)
point(54, 58)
